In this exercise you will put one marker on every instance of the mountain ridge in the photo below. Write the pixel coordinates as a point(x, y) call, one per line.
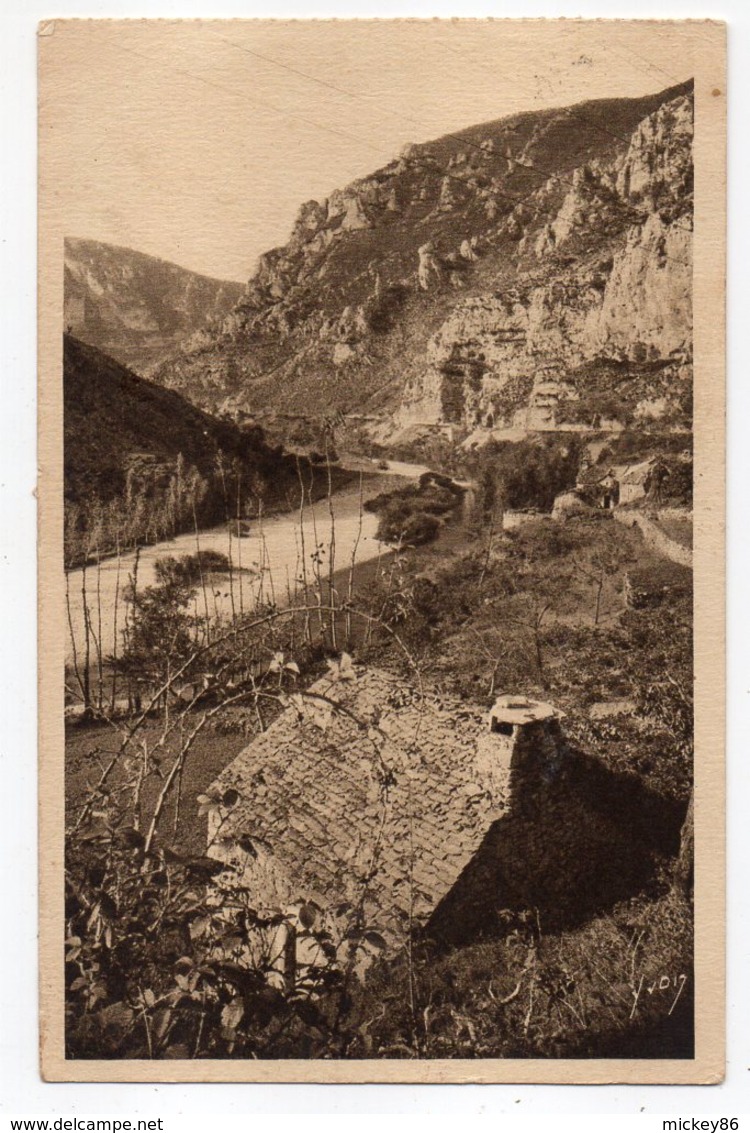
point(136, 307)
point(538, 233)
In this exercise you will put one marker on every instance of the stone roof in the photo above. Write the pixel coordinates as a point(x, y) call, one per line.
point(594, 474)
point(638, 473)
point(382, 790)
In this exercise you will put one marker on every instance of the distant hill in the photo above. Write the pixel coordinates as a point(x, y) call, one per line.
point(136, 308)
point(142, 463)
point(556, 284)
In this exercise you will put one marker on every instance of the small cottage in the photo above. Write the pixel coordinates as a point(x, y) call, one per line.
point(644, 479)
point(371, 792)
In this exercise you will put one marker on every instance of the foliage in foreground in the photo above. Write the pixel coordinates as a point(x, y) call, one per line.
point(157, 962)
point(170, 955)
point(621, 986)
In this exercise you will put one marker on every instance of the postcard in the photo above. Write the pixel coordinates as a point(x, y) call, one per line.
point(381, 387)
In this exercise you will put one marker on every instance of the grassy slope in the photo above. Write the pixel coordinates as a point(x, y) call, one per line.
point(620, 986)
point(578, 974)
point(110, 414)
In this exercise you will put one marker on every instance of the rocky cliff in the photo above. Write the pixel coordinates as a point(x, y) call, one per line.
point(136, 308)
point(529, 273)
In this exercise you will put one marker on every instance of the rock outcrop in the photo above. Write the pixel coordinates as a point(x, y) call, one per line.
point(524, 359)
point(531, 273)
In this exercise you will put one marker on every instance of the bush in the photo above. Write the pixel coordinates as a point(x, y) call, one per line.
point(413, 514)
point(190, 570)
point(160, 965)
point(678, 486)
point(527, 473)
point(382, 313)
point(400, 523)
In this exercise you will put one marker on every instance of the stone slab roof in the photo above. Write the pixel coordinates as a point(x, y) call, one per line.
point(361, 781)
point(594, 475)
point(638, 473)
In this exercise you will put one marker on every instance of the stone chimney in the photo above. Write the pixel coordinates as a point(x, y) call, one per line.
point(521, 733)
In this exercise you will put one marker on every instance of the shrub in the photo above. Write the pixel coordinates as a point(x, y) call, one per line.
point(160, 965)
point(527, 473)
point(190, 570)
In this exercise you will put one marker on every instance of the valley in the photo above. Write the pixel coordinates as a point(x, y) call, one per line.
point(379, 668)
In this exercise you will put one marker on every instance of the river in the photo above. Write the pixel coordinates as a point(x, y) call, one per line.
point(268, 564)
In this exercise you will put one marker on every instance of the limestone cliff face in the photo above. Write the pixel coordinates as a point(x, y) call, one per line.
point(523, 357)
point(528, 273)
point(647, 300)
point(659, 153)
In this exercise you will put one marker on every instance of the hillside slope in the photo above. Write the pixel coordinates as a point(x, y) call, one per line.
point(142, 463)
point(134, 307)
point(529, 272)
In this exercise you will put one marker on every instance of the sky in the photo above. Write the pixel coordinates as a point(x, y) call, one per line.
point(197, 141)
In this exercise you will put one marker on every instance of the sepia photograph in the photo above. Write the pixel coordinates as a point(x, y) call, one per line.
point(381, 382)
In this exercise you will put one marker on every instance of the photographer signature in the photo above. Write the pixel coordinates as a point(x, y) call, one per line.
point(663, 984)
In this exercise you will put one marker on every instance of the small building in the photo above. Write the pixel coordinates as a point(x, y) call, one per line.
point(368, 792)
point(643, 479)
